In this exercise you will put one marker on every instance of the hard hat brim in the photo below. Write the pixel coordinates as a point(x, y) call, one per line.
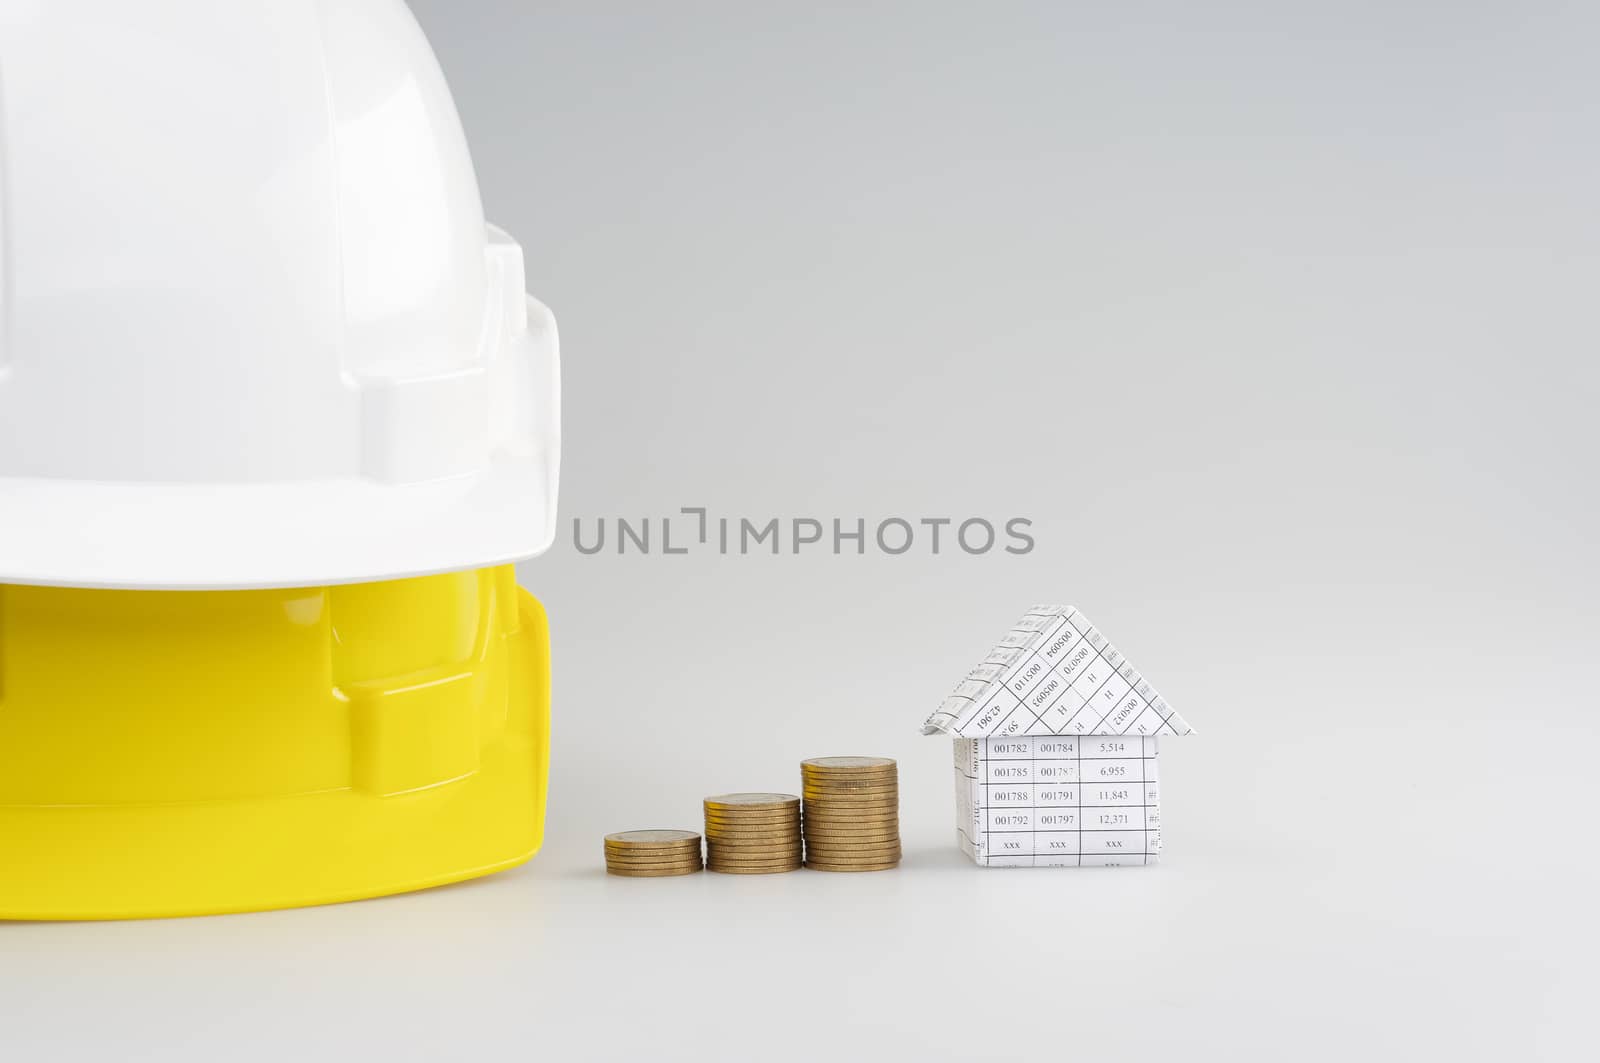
point(235, 537)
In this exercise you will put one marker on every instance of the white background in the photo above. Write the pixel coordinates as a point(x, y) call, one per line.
point(1277, 320)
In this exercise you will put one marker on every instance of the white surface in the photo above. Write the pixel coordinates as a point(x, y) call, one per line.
point(1365, 918)
point(253, 328)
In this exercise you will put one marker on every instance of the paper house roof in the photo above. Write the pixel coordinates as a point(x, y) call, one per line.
point(1054, 674)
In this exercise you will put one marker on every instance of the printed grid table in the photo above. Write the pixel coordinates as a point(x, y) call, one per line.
point(1074, 801)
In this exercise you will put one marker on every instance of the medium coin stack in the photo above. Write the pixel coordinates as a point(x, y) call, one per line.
point(752, 834)
point(852, 813)
point(653, 853)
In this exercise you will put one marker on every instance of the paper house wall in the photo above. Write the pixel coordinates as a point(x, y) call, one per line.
point(1056, 737)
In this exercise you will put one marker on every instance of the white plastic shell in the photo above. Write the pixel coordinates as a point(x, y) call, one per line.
point(254, 330)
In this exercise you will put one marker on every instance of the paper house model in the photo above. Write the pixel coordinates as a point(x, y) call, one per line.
point(1055, 749)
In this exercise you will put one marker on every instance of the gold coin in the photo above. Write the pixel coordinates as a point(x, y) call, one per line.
point(713, 815)
point(777, 826)
point(808, 775)
point(885, 825)
point(751, 801)
point(886, 821)
point(810, 790)
point(745, 823)
point(851, 839)
point(858, 796)
point(755, 870)
point(851, 806)
point(828, 826)
point(834, 857)
point(686, 853)
point(748, 838)
point(850, 778)
point(813, 865)
point(722, 841)
point(754, 822)
point(791, 823)
point(751, 852)
point(755, 857)
point(851, 764)
point(652, 838)
point(775, 853)
point(667, 847)
point(850, 802)
point(886, 780)
point(659, 858)
point(630, 872)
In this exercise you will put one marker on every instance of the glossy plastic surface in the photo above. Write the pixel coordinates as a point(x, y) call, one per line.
point(254, 330)
point(180, 753)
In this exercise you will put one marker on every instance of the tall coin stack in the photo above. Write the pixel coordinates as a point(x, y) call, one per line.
point(752, 834)
point(652, 853)
point(852, 813)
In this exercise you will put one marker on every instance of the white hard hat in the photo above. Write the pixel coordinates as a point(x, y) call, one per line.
point(254, 330)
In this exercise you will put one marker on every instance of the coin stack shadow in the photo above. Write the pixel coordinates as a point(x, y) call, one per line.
point(752, 834)
point(652, 853)
point(852, 813)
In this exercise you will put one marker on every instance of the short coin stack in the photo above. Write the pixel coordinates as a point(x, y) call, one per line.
point(852, 813)
point(752, 834)
point(653, 853)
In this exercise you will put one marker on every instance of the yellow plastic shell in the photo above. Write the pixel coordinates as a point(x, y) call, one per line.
point(191, 752)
